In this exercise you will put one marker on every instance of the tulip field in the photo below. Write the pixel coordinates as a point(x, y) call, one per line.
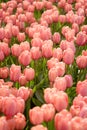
point(43, 65)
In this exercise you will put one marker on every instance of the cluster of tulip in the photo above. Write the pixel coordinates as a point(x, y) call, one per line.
point(43, 61)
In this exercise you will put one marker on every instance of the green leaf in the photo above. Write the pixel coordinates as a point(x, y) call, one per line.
point(36, 102)
point(39, 94)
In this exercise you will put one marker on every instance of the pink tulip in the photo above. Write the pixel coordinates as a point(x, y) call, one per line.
point(15, 50)
point(29, 73)
point(83, 112)
point(36, 115)
point(76, 123)
point(24, 46)
point(9, 106)
point(67, 7)
point(2, 56)
point(48, 112)
point(37, 42)
point(81, 88)
point(49, 94)
point(4, 72)
point(62, 18)
point(60, 101)
point(24, 93)
point(57, 53)
point(22, 80)
point(38, 127)
point(81, 61)
point(15, 72)
point(68, 56)
point(81, 38)
point(4, 91)
point(2, 33)
point(75, 27)
point(5, 48)
point(20, 121)
point(11, 123)
point(21, 37)
point(13, 91)
point(38, 5)
point(62, 120)
point(25, 5)
point(20, 104)
point(15, 30)
point(35, 53)
point(52, 62)
point(1, 101)
point(61, 3)
point(69, 35)
point(69, 80)
point(52, 74)
point(56, 38)
point(25, 58)
point(60, 68)
point(8, 33)
point(47, 50)
point(84, 28)
point(65, 45)
point(3, 123)
point(60, 83)
point(84, 124)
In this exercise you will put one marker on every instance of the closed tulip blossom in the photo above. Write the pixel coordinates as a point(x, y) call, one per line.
point(22, 80)
point(4, 91)
point(24, 46)
point(81, 88)
point(4, 72)
point(9, 106)
point(3, 123)
point(35, 53)
point(36, 115)
point(58, 98)
point(2, 33)
point(56, 38)
point(15, 72)
point(11, 123)
point(15, 50)
point(57, 53)
point(60, 83)
point(52, 74)
point(21, 37)
point(76, 123)
point(49, 112)
point(49, 94)
point(60, 101)
point(2, 56)
point(20, 121)
point(15, 30)
point(52, 62)
point(81, 38)
point(62, 120)
point(24, 93)
point(37, 42)
point(20, 104)
point(5, 48)
point(81, 62)
point(47, 50)
point(29, 73)
point(38, 127)
point(68, 56)
point(69, 80)
point(25, 58)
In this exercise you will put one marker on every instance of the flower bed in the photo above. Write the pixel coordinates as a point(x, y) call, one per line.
point(43, 65)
